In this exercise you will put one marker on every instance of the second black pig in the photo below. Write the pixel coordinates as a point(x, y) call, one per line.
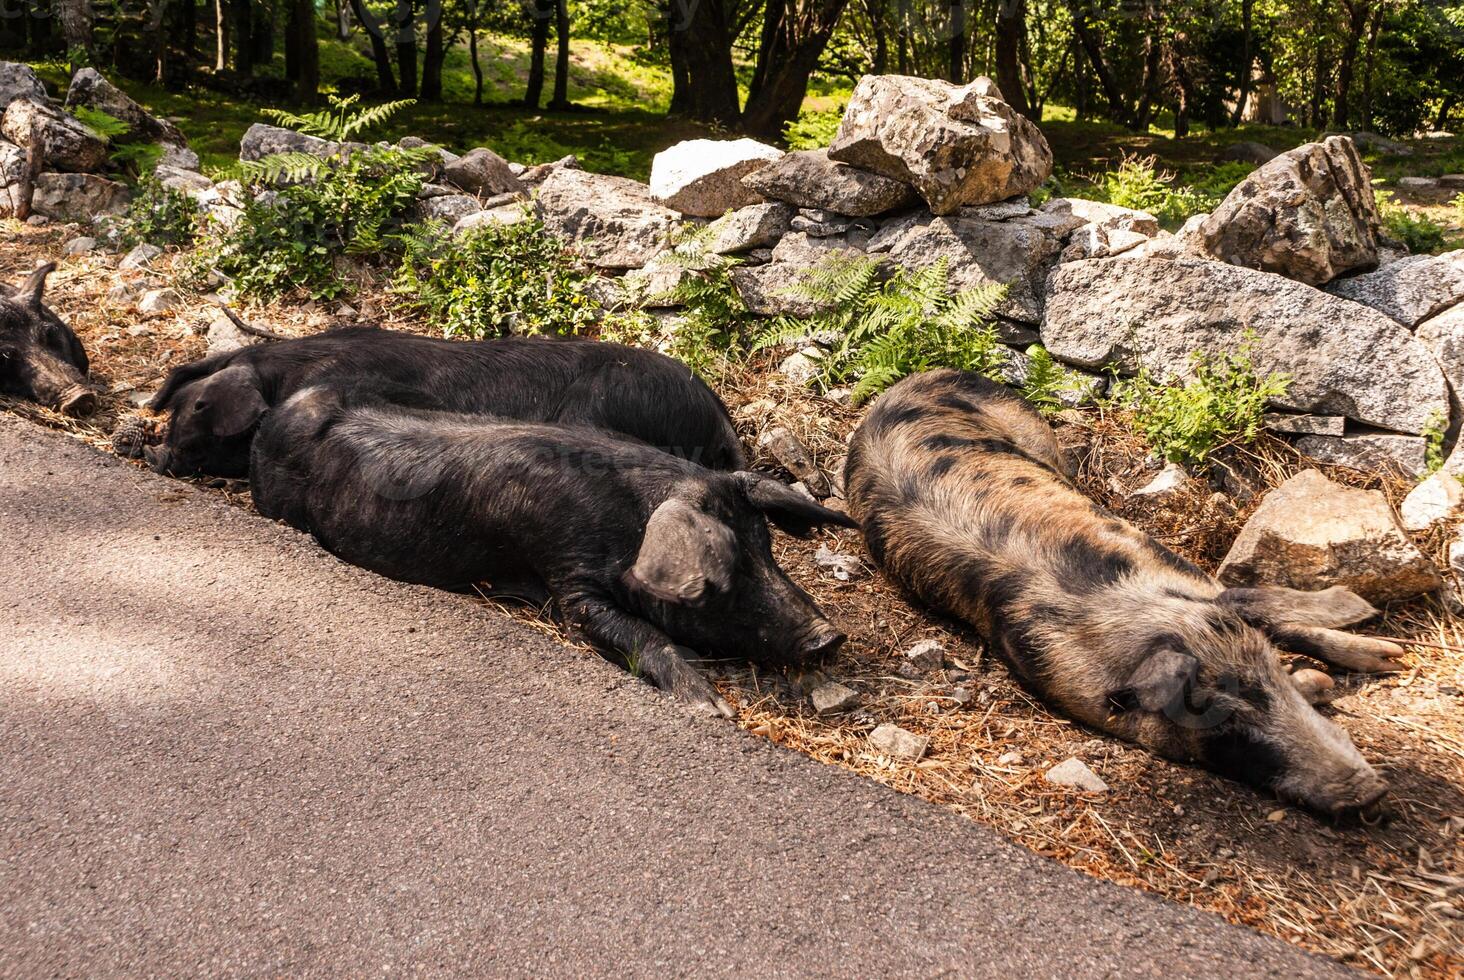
point(215, 405)
point(642, 552)
point(41, 359)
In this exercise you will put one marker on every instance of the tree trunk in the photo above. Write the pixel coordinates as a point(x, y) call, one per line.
point(243, 36)
point(473, 52)
point(534, 90)
point(902, 35)
point(156, 38)
point(1183, 87)
point(875, 10)
point(1247, 59)
point(701, 49)
point(343, 20)
point(1092, 43)
point(1357, 16)
point(432, 62)
point(1446, 107)
point(385, 78)
point(1011, 24)
point(956, 64)
point(307, 51)
point(1153, 68)
point(560, 99)
point(1369, 60)
point(786, 60)
point(263, 34)
point(221, 36)
point(406, 48)
point(76, 29)
point(1319, 87)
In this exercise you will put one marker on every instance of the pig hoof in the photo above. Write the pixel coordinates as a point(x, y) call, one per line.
point(1315, 686)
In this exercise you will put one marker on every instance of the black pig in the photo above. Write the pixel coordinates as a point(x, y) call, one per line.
point(41, 360)
point(216, 404)
point(643, 552)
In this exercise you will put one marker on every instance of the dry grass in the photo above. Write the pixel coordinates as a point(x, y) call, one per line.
point(1388, 899)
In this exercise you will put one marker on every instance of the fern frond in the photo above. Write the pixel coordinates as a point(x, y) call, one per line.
point(277, 168)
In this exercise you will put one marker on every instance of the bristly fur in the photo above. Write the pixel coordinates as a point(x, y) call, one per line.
point(960, 488)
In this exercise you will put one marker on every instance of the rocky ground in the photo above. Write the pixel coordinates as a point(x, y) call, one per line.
point(965, 735)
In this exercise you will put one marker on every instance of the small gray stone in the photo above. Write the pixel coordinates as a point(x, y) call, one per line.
point(1437, 499)
point(448, 209)
point(160, 301)
point(1172, 483)
point(833, 697)
point(896, 741)
point(801, 367)
point(925, 656)
point(139, 258)
point(844, 567)
point(79, 245)
point(755, 226)
point(1075, 773)
point(793, 456)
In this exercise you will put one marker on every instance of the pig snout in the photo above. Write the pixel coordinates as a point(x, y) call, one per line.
point(78, 402)
point(1328, 774)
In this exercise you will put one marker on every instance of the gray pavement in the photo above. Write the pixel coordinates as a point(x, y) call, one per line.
point(224, 752)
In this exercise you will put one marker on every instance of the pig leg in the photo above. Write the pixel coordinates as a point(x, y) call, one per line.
point(648, 650)
point(1359, 653)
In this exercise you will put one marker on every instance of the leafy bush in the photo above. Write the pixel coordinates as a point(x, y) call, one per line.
point(708, 333)
point(1435, 431)
point(812, 130)
point(158, 215)
point(353, 202)
point(1136, 183)
point(495, 280)
point(1219, 404)
point(881, 331)
point(1422, 234)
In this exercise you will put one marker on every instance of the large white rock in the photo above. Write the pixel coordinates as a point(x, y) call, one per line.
point(1343, 359)
point(1309, 214)
point(956, 145)
point(1310, 533)
point(1410, 290)
point(612, 221)
point(703, 178)
point(65, 144)
point(809, 179)
point(1110, 217)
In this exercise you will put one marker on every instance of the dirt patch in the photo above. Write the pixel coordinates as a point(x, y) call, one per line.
point(1389, 899)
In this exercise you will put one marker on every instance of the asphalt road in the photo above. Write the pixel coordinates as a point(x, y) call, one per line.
point(224, 752)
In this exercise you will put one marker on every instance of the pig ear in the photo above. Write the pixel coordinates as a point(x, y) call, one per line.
point(786, 507)
point(1159, 681)
point(232, 401)
point(29, 293)
point(685, 555)
point(1272, 607)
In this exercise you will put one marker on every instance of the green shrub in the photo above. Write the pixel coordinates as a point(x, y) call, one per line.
point(1420, 233)
point(1435, 430)
point(157, 215)
point(881, 331)
point(1137, 183)
point(495, 280)
point(708, 333)
point(304, 212)
point(812, 130)
point(1220, 403)
point(1047, 381)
